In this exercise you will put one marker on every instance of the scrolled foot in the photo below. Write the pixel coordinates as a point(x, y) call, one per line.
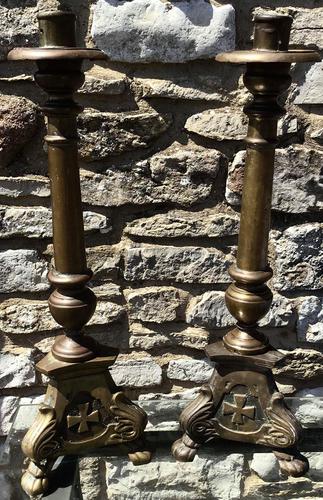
point(185, 449)
point(292, 463)
point(139, 452)
point(35, 480)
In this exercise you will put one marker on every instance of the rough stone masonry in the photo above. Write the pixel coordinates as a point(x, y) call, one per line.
point(162, 161)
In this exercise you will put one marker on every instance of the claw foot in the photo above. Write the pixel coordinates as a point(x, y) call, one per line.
point(139, 452)
point(35, 480)
point(185, 449)
point(292, 463)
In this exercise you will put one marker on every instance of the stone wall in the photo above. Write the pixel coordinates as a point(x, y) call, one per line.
point(162, 160)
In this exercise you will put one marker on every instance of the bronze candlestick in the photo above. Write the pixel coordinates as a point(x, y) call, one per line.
point(241, 401)
point(83, 409)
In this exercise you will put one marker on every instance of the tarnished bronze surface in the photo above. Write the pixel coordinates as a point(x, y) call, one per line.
point(83, 409)
point(241, 401)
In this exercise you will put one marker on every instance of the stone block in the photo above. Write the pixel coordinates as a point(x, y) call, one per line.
point(167, 335)
point(310, 319)
point(36, 222)
point(155, 304)
point(198, 371)
point(208, 223)
point(16, 370)
point(21, 187)
point(266, 466)
point(103, 81)
point(216, 477)
point(18, 26)
point(104, 260)
point(299, 257)
point(301, 364)
point(136, 373)
point(8, 406)
point(18, 123)
point(164, 31)
point(310, 92)
point(177, 264)
point(209, 310)
point(22, 271)
point(176, 176)
point(197, 81)
point(103, 134)
point(224, 124)
point(295, 190)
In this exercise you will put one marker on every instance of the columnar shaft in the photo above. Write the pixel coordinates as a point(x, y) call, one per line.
point(72, 304)
point(249, 298)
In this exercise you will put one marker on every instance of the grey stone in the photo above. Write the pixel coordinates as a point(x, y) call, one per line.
point(6, 488)
point(295, 189)
point(299, 258)
point(223, 124)
point(206, 478)
point(18, 123)
point(155, 304)
point(103, 134)
point(8, 406)
point(92, 480)
point(288, 125)
point(190, 370)
point(309, 411)
point(164, 31)
point(208, 223)
point(21, 316)
point(36, 222)
point(199, 80)
point(108, 291)
point(316, 465)
point(167, 335)
point(104, 260)
point(143, 372)
point(310, 392)
point(307, 30)
point(23, 271)
point(302, 364)
point(18, 27)
point(310, 91)
point(176, 176)
point(103, 81)
point(266, 466)
point(16, 370)
point(177, 264)
point(107, 312)
point(310, 319)
point(20, 187)
point(281, 313)
point(209, 310)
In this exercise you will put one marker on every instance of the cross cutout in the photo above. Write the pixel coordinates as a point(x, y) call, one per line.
point(239, 410)
point(83, 418)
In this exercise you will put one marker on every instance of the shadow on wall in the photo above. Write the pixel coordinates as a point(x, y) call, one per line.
point(199, 13)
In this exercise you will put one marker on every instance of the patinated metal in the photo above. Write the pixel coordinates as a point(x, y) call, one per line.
point(242, 402)
point(83, 409)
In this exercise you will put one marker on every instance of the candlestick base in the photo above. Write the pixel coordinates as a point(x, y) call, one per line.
point(83, 410)
point(242, 403)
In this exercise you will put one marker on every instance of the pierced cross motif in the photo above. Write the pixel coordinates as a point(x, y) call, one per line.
point(83, 418)
point(239, 410)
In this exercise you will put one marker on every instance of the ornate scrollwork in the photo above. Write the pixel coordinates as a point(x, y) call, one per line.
point(131, 420)
point(39, 443)
point(283, 430)
point(196, 419)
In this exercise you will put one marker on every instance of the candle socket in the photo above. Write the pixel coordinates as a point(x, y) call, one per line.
point(241, 402)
